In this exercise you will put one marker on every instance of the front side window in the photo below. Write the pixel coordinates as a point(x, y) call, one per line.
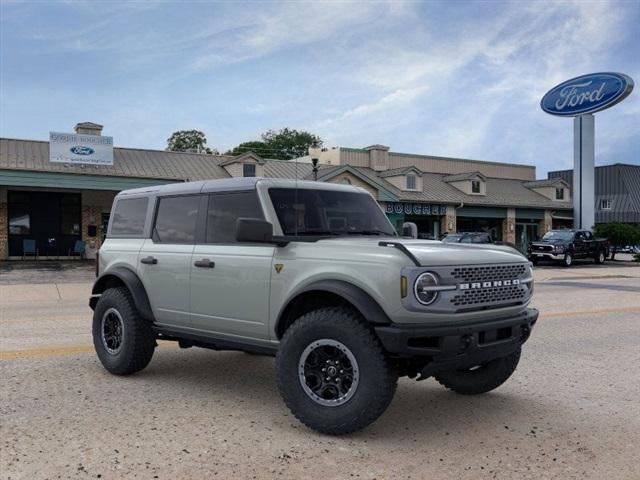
point(224, 209)
point(559, 193)
point(475, 186)
point(248, 170)
point(176, 220)
point(328, 212)
point(128, 217)
point(411, 182)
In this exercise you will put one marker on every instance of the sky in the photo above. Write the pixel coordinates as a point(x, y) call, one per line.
point(451, 78)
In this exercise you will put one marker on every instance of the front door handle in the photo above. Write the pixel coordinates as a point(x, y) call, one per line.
point(204, 263)
point(149, 260)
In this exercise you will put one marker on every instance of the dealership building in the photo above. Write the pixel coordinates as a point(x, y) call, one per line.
point(52, 199)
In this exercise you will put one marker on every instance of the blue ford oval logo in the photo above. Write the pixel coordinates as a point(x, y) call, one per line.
point(79, 150)
point(587, 94)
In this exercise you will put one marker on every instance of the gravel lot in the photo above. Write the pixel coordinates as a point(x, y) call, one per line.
point(570, 411)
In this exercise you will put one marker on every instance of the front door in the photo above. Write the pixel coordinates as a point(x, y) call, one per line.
point(230, 280)
point(164, 262)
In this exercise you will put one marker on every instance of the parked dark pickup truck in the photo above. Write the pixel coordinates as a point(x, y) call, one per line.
point(566, 245)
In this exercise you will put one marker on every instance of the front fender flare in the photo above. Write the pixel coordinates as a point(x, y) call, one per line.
point(133, 283)
point(356, 296)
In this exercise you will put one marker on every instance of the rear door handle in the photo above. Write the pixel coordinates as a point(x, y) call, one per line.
point(204, 263)
point(149, 260)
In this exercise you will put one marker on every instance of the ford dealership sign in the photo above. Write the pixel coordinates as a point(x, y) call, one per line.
point(80, 149)
point(587, 94)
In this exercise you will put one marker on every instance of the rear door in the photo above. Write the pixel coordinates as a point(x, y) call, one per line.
point(230, 281)
point(164, 262)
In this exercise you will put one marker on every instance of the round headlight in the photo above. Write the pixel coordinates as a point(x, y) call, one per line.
point(422, 288)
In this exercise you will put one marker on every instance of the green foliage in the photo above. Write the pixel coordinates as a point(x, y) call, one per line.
point(259, 148)
point(619, 234)
point(188, 141)
point(284, 144)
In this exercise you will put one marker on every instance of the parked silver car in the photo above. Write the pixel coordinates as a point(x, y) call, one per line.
point(314, 274)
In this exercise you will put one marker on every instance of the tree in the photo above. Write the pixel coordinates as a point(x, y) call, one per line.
point(188, 141)
point(284, 144)
point(257, 147)
point(619, 234)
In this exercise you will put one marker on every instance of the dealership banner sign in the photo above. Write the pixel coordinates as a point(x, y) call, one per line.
point(80, 149)
point(416, 208)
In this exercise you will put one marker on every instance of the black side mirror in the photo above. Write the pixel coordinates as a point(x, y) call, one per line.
point(254, 230)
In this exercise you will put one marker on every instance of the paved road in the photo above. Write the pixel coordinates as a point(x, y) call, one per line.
point(570, 411)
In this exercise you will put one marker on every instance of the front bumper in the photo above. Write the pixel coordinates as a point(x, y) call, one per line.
point(547, 255)
point(450, 347)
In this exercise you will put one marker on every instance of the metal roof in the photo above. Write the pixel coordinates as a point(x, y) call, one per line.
point(33, 155)
point(463, 176)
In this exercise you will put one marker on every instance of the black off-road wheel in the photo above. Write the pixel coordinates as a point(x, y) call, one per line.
point(481, 378)
point(333, 373)
point(123, 340)
point(567, 261)
point(600, 257)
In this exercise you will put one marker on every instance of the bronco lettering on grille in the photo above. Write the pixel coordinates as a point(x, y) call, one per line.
point(495, 283)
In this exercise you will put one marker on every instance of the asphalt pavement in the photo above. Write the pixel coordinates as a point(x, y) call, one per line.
point(571, 410)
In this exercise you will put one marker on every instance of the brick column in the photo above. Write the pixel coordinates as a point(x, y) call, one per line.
point(4, 225)
point(545, 224)
point(94, 204)
point(509, 226)
point(448, 220)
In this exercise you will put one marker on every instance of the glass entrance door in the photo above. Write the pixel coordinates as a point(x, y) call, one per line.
point(525, 233)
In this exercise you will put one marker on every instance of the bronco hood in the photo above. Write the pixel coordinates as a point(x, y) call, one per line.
point(433, 252)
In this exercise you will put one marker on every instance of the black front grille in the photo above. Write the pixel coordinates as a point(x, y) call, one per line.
point(489, 273)
point(492, 295)
point(542, 248)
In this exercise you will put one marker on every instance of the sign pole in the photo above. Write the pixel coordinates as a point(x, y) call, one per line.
point(583, 171)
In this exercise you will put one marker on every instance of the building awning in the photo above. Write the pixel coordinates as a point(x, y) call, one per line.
point(482, 212)
point(27, 178)
point(562, 216)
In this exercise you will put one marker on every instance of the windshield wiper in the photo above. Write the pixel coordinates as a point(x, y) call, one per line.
point(370, 232)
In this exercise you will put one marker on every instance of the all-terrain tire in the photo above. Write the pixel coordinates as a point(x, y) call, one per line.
point(137, 339)
point(482, 379)
point(377, 376)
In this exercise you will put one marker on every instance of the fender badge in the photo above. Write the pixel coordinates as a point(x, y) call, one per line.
point(278, 267)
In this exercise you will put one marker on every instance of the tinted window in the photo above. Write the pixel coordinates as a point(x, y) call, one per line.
point(176, 219)
point(129, 216)
point(328, 212)
point(225, 209)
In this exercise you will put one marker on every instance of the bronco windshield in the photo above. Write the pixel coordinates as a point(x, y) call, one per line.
point(558, 235)
point(328, 212)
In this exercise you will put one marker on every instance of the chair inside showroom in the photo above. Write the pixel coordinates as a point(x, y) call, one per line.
point(29, 248)
point(79, 248)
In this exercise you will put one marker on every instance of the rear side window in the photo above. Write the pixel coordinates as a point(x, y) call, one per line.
point(176, 220)
point(128, 217)
point(225, 209)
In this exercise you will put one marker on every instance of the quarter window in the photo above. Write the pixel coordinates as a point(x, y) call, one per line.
point(128, 217)
point(176, 220)
point(224, 209)
point(248, 170)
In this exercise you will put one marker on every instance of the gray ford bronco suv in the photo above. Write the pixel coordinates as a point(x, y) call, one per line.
point(314, 274)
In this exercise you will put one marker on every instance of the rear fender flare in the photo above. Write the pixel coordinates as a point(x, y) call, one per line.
point(130, 280)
